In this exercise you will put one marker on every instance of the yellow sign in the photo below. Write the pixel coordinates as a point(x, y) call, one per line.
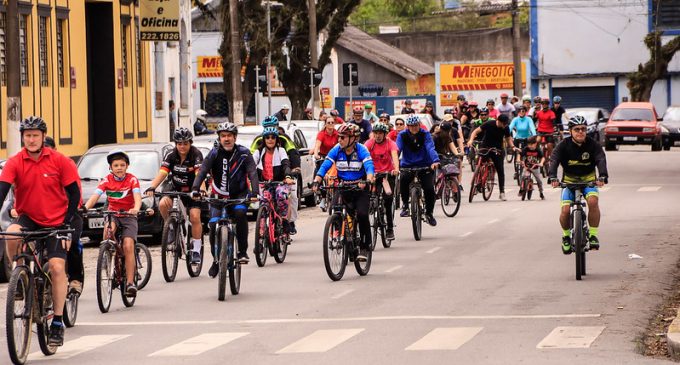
point(478, 76)
point(159, 20)
point(424, 85)
point(209, 66)
point(325, 100)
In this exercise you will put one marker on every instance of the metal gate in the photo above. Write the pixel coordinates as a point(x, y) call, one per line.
point(584, 97)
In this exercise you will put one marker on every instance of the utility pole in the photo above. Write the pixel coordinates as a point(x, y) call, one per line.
point(237, 95)
point(269, 57)
point(314, 62)
point(13, 79)
point(516, 56)
point(257, 94)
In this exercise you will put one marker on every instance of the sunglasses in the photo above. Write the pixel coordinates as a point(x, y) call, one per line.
point(383, 119)
point(342, 137)
point(271, 136)
point(579, 129)
point(483, 115)
point(399, 124)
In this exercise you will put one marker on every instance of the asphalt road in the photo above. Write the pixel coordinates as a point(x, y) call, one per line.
point(489, 286)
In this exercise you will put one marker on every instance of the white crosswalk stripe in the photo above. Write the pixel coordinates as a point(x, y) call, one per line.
point(199, 344)
point(649, 189)
point(78, 346)
point(320, 341)
point(571, 337)
point(445, 338)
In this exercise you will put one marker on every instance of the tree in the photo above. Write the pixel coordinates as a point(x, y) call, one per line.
point(642, 81)
point(411, 8)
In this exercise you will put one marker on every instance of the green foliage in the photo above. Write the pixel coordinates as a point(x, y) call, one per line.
point(369, 13)
point(412, 8)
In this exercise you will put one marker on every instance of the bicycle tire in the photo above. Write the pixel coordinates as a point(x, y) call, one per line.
point(334, 247)
point(373, 212)
point(523, 188)
point(530, 191)
point(383, 228)
point(487, 189)
point(46, 311)
point(416, 214)
point(144, 265)
point(71, 309)
point(473, 187)
point(194, 270)
point(222, 237)
point(234, 266)
point(471, 159)
point(281, 243)
point(509, 157)
point(127, 301)
point(450, 197)
point(105, 277)
point(18, 345)
point(577, 240)
point(396, 204)
point(583, 248)
point(261, 236)
point(170, 240)
point(364, 267)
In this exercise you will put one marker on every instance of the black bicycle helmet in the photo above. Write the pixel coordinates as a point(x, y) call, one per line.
point(49, 142)
point(182, 134)
point(576, 121)
point(117, 153)
point(33, 123)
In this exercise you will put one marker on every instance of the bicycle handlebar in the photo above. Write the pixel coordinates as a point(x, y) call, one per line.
point(171, 193)
point(486, 151)
point(40, 233)
point(353, 185)
point(414, 169)
point(92, 213)
point(578, 185)
point(221, 201)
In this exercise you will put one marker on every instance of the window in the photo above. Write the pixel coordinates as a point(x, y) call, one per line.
point(124, 53)
point(60, 52)
point(42, 52)
point(23, 48)
point(138, 49)
point(3, 57)
point(668, 14)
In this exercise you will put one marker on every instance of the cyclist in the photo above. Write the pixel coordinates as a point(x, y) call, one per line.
point(560, 113)
point(491, 105)
point(183, 163)
point(448, 141)
point(429, 109)
point(230, 166)
point(368, 113)
point(536, 107)
point(532, 160)
point(122, 194)
point(384, 153)
point(399, 125)
point(417, 150)
point(407, 108)
point(282, 114)
point(363, 124)
point(273, 165)
point(522, 127)
point(353, 161)
point(295, 164)
point(579, 155)
point(468, 118)
point(526, 102)
point(495, 131)
point(336, 114)
point(326, 139)
point(546, 126)
point(460, 103)
point(309, 114)
point(46, 194)
point(506, 108)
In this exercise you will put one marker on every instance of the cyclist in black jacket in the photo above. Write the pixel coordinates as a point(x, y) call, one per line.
point(579, 155)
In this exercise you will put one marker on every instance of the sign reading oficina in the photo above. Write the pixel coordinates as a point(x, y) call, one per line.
point(159, 20)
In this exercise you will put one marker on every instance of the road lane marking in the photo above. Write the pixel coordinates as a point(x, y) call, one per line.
point(199, 344)
point(649, 189)
point(516, 210)
point(604, 188)
point(465, 234)
point(433, 250)
point(78, 346)
point(149, 323)
point(445, 339)
point(495, 220)
point(320, 341)
point(394, 268)
point(570, 337)
point(340, 295)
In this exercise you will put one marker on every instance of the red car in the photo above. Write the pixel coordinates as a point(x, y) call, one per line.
point(633, 123)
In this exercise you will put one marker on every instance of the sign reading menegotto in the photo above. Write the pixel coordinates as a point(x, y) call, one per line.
point(478, 76)
point(159, 20)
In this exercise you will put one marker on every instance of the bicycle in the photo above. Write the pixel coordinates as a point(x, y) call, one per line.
point(526, 185)
point(111, 273)
point(483, 179)
point(417, 201)
point(448, 187)
point(270, 237)
point(377, 212)
point(175, 237)
point(517, 159)
point(547, 150)
point(31, 285)
point(579, 225)
point(471, 154)
point(224, 250)
point(341, 237)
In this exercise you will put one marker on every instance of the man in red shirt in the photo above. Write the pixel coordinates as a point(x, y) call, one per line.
point(546, 125)
point(47, 195)
point(384, 153)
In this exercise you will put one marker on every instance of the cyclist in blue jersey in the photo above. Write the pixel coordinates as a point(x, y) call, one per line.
point(522, 127)
point(353, 162)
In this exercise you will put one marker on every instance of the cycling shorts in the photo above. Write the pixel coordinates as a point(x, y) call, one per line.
point(53, 247)
point(568, 195)
point(216, 212)
point(547, 137)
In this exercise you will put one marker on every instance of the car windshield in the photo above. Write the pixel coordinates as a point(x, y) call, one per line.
point(143, 164)
point(632, 114)
point(672, 114)
point(591, 116)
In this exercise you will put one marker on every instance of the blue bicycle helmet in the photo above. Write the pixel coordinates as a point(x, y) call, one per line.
point(270, 121)
point(412, 120)
point(270, 131)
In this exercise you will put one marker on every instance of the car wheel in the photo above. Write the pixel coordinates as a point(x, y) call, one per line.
point(608, 146)
point(656, 145)
point(5, 268)
point(310, 200)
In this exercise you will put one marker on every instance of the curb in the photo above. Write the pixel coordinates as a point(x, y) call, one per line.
point(673, 339)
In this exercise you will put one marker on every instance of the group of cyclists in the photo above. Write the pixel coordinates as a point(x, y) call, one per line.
point(356, 151)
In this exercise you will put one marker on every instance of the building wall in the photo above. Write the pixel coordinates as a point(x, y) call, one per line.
point(369, 73)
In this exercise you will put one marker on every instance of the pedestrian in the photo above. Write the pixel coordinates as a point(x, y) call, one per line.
point(407, 108)
point(281, 114)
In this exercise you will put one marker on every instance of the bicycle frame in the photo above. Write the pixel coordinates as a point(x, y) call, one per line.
point(274, 216)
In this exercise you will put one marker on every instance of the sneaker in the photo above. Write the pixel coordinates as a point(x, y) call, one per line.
point(405, 212)
point(75, 286)
point(291, 228)
point(566, 245)
point(542, 196)
point(389, 234)
point(214, 269)
point(430, 219)
point(594, 243)
point(56, 335)
point(322, 205)
point(361, 256)
point(520, 192)
point(131, 290)
point(460, 188)
point(195, 257)
point(515, 176)
point(502, 197)
point(243, 258)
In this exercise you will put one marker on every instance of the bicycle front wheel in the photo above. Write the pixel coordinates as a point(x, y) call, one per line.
point(450, 198)
point(143, 257)
point(375, 223)
point(261, 236)
point(282, 241)
point(105, 278)
point(46, 306)
point(19, 315)
point(487, 189)
point(222, 237)
point(170, 249)
point(334, 250)
point(364, 267)
point(577, 239)
point(195, 269)
point(416, 214)
point(234, 266)
point(71, 309)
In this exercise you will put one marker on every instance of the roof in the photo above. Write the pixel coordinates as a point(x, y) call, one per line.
point(383, 54)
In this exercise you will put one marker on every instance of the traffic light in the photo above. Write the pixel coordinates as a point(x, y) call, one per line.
point(346, 74)
point(251, 79)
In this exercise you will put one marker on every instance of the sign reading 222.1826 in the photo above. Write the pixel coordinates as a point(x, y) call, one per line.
point(159, 20)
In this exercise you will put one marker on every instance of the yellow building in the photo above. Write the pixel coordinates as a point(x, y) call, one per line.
point(83, 69)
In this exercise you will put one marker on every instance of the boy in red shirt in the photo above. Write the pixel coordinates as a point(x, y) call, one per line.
point(123, 194)
point(384, 153)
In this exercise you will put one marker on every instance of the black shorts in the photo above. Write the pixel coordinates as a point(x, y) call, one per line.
point(189, 203)
point(53, 247)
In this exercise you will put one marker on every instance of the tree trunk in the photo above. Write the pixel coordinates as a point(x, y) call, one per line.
point(642, 81)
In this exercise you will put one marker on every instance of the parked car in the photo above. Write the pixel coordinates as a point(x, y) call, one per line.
point(5, 221)
point(670, 127)
point(633, 123)
point(596, 118)
point(145, 161)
